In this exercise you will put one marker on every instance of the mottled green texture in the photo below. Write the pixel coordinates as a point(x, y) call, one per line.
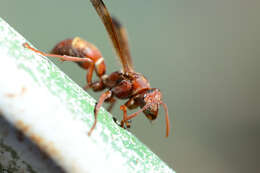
point(137, 156)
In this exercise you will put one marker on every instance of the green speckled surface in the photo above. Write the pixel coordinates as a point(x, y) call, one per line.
point(137, 156)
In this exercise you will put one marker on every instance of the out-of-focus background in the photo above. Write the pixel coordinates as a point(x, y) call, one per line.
point(203, 55)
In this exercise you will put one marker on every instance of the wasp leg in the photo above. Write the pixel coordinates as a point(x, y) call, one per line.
point(101, 100)
point(129, 117)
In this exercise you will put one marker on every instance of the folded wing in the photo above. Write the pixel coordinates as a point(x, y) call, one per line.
point(117, 35)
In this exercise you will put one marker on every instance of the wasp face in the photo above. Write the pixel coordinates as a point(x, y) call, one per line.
point(152, 99)
point(151, 112)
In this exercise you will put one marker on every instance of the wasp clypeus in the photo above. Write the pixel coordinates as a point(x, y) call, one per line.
point(124, 84)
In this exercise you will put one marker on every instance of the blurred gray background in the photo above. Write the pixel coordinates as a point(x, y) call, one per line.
point(203, 55)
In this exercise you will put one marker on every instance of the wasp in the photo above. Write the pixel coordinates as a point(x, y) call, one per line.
point(123, 84)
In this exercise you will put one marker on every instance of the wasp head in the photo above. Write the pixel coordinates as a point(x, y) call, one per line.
point(152, 99)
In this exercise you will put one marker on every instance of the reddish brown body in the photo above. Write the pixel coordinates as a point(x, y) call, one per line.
point(78, 47)
point(125, 84)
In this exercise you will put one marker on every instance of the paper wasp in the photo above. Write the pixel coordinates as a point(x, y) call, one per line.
point(124, 84)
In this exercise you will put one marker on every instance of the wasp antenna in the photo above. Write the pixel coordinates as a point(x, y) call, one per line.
point(167, 121)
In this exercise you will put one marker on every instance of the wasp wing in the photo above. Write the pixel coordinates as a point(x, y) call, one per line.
point(114, 34)
point(123, 40)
